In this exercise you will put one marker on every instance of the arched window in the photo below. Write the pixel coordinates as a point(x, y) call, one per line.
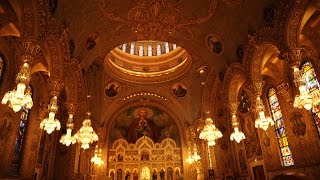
point(166, 45)
point(17, 154)
point(149, 50)
point(286, 154)
point(140, 50)
point(158, 50)
point(1, 66)
point(312, 85)
point(132, 48)
point(124, 47)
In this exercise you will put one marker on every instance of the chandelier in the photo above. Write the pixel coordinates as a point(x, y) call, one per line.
point(262, 121)
point(96, 159)
point(86, 134)
point(237, 135)
point(50, 124)
point(21, 95)
point(67, 138)
point(192, 158)
point(305, 99)
point(210, 133)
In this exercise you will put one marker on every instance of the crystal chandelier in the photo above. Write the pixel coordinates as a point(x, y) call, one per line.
point(195, 155)
point(21, 95)
point(305, 99)
point(96, 159)
point(50, 124)
point(262, 121)
point(67, 138)
point(237, 135)
point(190, 160)
point(210, 133)
point(86, 134)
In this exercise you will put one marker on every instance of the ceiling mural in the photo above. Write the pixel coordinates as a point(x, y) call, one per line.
point(139, 121)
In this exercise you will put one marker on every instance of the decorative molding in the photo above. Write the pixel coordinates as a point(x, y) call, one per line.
point(55, 86)
point(155, 19)
point(258, 87)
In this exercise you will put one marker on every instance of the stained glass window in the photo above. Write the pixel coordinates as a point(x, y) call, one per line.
point(1, 67)
point(286, 154)
point(312, 84)
point(17, 154)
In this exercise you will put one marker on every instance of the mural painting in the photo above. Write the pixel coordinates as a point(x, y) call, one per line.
point(140, 121)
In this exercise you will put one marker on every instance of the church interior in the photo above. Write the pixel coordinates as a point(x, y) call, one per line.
point(159, 89)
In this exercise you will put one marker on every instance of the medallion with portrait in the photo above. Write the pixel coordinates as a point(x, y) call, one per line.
point(179, 90)
point(112, 89)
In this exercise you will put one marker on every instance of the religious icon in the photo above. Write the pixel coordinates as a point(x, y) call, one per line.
point(179, 90)
point(112, 89)
point(142, 126)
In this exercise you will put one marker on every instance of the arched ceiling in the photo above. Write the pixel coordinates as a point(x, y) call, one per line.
point(209, 30)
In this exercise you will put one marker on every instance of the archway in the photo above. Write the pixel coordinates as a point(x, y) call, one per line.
point(145, 173)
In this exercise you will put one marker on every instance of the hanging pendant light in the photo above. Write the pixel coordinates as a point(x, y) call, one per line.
point(210, 133)
point(262, 121)
point(21, 95)
point(67, 138)
point(86, 134)
point(96, 159)
point(50, 124)
point(237, 135)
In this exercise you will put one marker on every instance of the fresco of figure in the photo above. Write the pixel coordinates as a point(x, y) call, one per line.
point(141, 126)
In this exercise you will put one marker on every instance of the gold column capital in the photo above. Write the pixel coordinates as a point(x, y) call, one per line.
point(233, 105)
point(72, 107)
point(56, 86)
point(30, 50)
point(293, 56)
point(258, 85)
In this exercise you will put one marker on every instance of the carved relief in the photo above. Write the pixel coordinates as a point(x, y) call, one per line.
point(156, 19)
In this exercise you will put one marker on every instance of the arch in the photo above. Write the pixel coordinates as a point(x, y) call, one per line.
point(54, 56)
point(10, 24)
point(295, 22)
point(177, 120)
point(260, 57)
point(235, 77)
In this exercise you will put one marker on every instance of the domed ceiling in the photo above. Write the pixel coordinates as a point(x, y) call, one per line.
point(147, 61)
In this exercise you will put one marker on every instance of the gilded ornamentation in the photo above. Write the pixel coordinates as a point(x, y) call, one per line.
point(71, 106)
point(258, 87)
point(55, 86)
point(285, 91)
point(29, 19)
point(235, 77)
point(233, 107)
point(295, 16)
point(156, 19)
